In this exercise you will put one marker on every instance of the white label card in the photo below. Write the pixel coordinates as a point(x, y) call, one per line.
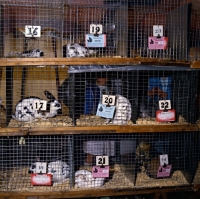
point(164, 104)
point(92, 40)
point(96, 29)
point(41, 167)
point(164, 160)
point(108, 100)
point(32, 31)
point(40, 105)
point(102, 160)
point(158, 30)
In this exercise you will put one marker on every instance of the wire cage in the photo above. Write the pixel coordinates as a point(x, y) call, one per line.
point(19, 156)
point(134, 159)
point(105, 28)
point(61, 96)
point(138, 90)
point(131, 161)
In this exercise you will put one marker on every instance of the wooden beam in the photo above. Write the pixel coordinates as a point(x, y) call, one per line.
point(98, 129)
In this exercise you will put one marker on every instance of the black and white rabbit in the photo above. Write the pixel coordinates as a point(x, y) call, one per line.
point(25, 112)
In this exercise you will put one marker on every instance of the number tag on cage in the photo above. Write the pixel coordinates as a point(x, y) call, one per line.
point(100, 171)
point(157, 30)
point(41, 167)
point(92, 40)
point(102, 160)
point(105, 111)
point(157, 43)
point(164, 171)
point(96, 29)
point(108, 100)
point(40, 105)
point(164, 104)
point(32, 31)
point(164, 160)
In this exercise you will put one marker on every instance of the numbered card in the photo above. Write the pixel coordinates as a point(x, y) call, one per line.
point(164, 160)
point(96, 29)
point(155, 43)
point(164, 104)
point(40, 105)
point(157, 30)
point(102, 160)
point(100, 172)
point(32, 31)
point(95, 41)
point(164, 171)
point(105, 111)
point(41, 167)
point(108, 100)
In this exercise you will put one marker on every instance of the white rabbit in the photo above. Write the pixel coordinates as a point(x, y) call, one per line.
point(59, 170)
point(25, 112)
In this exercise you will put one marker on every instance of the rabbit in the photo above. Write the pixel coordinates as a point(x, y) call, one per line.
point(25, 112)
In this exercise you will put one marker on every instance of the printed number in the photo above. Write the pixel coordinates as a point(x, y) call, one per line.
point(108, 100)
point(157, 31)
point(32, 31)
point(95, 29)
point(164, 104)
point(39, 106)
point(101, 161)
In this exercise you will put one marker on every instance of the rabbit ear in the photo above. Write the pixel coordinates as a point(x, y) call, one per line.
point(49, 95)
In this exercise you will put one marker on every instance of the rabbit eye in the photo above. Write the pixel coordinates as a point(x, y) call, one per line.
point(25, 108)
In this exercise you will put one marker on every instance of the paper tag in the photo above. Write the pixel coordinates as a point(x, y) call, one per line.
point(41, 179)
point(164, 104)
point(157, 30)
point(100, 172)
point(108, 100)
point(41, 167)
point(105, 111)
point(165, 116)
point(164, 171)
point(95, 41)
point(157, 43)
point(164, 160)
point(32, 31)
point(96, 29)
point(102, 160)
point(40, 105)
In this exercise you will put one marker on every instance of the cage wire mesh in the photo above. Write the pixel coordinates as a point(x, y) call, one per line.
point(19, 156)
point(133, 160)
point(137, 90)
point(59, 96)
point(124, 28)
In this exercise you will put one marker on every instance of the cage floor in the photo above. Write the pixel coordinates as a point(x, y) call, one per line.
point(50, 122)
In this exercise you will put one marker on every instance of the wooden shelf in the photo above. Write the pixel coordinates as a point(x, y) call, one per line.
point(97, 61)
point(99, 129)
point(93, 193)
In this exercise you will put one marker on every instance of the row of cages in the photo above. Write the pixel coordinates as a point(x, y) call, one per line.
point(101, 161)
point(67, 96)
point(106, 28)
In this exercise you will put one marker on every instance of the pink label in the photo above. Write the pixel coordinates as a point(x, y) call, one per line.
point(165, 116)
point(157, 43)
point(41, 179)
point(164, 171)
point(100, 172)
